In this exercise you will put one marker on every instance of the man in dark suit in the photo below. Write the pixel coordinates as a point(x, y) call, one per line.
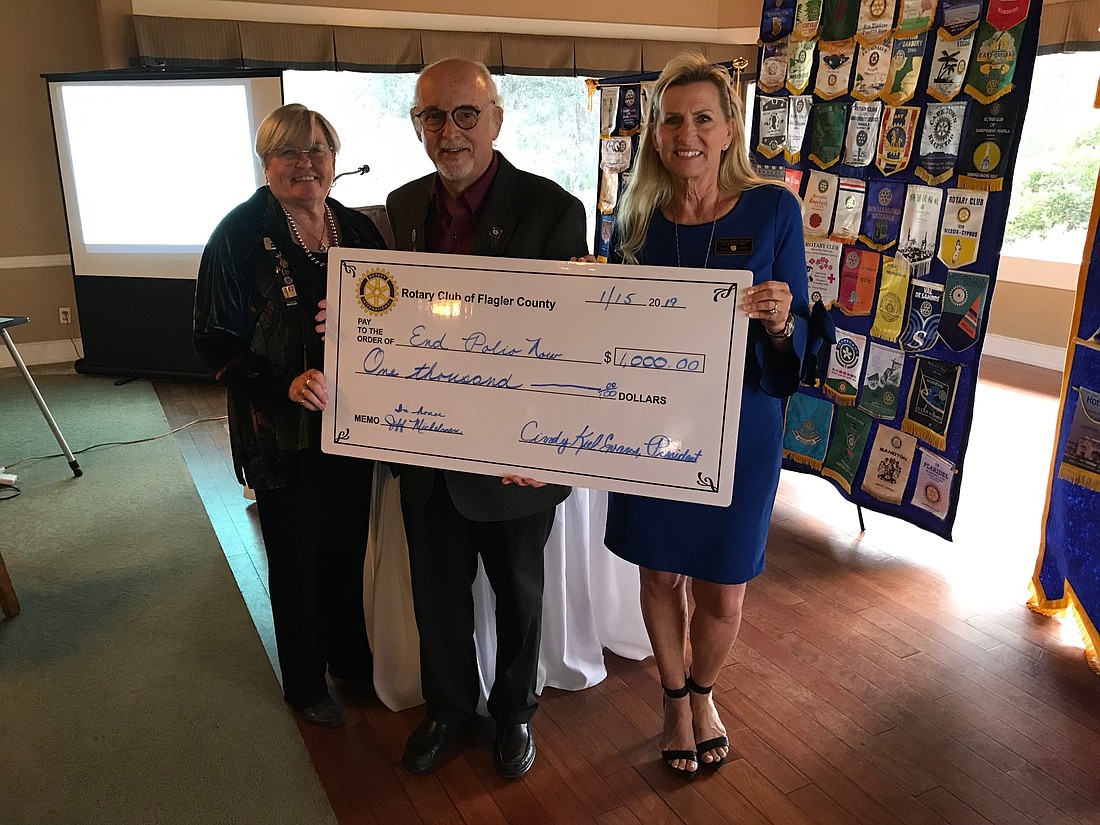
point(477, 203)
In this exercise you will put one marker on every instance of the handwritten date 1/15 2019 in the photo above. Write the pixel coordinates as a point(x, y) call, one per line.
point(616, 297)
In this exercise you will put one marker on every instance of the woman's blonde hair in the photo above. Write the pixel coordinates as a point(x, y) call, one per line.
point(650, 185)
point(291, 126)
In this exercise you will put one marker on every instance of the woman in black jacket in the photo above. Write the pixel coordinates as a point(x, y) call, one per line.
point(262, 276)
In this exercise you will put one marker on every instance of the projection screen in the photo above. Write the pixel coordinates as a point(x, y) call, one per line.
point(149, 162)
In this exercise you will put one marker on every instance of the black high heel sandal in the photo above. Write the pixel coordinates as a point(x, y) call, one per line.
point(709, 744)
point(670, 756)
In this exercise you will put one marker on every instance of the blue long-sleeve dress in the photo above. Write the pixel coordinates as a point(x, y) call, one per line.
point(726, 544)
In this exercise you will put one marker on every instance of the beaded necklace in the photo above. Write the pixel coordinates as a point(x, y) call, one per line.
point(333, 234)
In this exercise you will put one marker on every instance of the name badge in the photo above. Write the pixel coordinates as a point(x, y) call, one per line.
point(733, 246)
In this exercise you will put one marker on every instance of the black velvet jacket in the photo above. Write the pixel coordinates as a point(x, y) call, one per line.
point(256, 340)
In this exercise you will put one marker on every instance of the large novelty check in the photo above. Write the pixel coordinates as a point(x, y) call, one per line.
point(622, 378)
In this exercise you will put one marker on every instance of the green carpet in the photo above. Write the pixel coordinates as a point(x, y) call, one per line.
point(133, 686)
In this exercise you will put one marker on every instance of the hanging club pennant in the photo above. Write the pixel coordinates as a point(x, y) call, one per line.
point(800, 64)
point(989, 138)
point(773, 125)
point(882, 384)
point(882, 214)
point(933, 489)
point(963, 309)
point(817, 205)
point(858, 279)
point(798, 116)
point(823, 271)
point(961, 233)
point(872, 69)
point(905, 66)
point(807, 19)
point(838, 20)
point(609, 109)
point(890, 312)
point(773, 67)
point(849, 209)
point(895, 141)
point(960, 16)
point(915, 17)
point(998, 46)
point(920, 227)
point(630, 110)
point(931, 400)
point(827, 138)
point(876, 19)
point(842, 380)
point(846, 446)
point(777, 21)
point(939, 145)
point(806, 429)
point(793, 179)
point(950, 65)
point(615, 154)
point(834, 69)
point(603, 245)
point(889, 464)
point(1081, 458)
point(923, 321)
point(862, 134)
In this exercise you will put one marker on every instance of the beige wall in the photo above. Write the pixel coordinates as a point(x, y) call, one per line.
point(1041, 315)
point(701, 13)
point(74, 35)
point(57, 36)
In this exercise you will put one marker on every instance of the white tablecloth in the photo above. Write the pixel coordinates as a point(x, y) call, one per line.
point(590, 601)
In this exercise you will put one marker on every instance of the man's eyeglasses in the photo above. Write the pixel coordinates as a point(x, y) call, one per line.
point(432, 119)
point(316, 152)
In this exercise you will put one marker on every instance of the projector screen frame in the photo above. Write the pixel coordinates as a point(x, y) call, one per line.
point(133, 322)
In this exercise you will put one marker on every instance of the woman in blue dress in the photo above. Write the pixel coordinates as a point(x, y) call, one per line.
point(693, 200)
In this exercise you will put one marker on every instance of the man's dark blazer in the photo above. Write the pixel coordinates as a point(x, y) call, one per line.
point(522, 216)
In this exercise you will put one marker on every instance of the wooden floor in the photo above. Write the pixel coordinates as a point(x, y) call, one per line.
point(884, 677)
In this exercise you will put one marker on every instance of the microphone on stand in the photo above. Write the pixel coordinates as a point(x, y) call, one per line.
point(362, 170)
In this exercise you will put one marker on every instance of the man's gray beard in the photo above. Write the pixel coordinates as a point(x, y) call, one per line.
point(452, 171)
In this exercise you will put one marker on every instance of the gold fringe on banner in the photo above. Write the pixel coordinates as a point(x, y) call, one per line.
point(822, 163)
point(828, 472)
point(1079, 476)
point(981, 97)
point(933, 180)
point(803, 459)
point(841, 399)
point(924, 434)
point(795, 158)
point(985, 184)
point(1063, 609)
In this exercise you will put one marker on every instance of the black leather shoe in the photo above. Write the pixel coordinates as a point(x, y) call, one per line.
point(325, 714)
point(514, 753)
point(426, 746)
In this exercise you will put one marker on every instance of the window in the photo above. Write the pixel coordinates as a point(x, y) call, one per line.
point(548, 129)
point(1056, 167)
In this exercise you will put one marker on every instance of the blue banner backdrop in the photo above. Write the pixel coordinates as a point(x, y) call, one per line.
point(1067, 573)
point(933, 57)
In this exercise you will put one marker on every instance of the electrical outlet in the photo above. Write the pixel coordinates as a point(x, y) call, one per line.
point(64, 315)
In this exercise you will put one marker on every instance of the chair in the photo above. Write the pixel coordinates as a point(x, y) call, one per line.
point(9, 603)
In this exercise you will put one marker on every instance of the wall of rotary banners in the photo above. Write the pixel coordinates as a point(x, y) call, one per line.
point(1067, 573)
point(898, 123)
